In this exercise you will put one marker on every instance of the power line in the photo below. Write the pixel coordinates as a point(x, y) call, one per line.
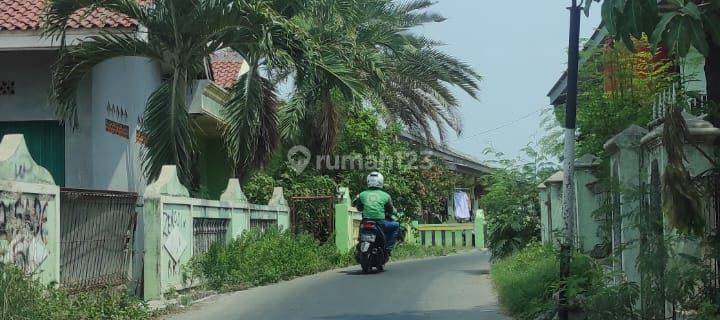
point(503, 125)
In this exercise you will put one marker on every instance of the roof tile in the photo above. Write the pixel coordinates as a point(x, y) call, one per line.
point(27, 15)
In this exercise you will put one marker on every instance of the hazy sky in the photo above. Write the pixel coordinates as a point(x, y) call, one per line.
point(519, 47)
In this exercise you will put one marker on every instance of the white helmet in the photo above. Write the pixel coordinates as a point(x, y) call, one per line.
point(375, 180)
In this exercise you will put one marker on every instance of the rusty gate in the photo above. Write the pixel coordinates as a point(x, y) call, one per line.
point(96, 232)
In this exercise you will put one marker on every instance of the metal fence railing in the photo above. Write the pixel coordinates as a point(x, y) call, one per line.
point(96, 231)
point(207, 232)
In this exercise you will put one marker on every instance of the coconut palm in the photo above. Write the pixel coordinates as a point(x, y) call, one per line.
point(180, 36)
point(403, 74)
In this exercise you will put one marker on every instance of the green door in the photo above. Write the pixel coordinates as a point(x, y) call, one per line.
point(46, 143)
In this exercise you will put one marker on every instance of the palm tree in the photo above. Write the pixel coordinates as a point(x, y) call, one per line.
point(401, 73)
point(180, 36)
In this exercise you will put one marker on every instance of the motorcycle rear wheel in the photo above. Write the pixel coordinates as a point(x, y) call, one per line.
point(365, 268)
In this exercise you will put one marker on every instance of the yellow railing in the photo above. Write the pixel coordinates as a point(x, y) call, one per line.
point(448, 235)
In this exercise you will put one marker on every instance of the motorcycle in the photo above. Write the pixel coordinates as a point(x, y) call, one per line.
point(370, 251)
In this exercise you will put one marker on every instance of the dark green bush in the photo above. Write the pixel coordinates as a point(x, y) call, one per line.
point(25, 298)
point(526, 281)
point(258, 258)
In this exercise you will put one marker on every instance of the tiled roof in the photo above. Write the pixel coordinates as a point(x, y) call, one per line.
point(226, 72)
point(27, 15)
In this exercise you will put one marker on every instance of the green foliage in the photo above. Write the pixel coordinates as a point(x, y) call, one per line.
point(617, 88)
point(526, 281)
point(678, 24)
point(512, 202)
point(258, 258)
point(25, 298)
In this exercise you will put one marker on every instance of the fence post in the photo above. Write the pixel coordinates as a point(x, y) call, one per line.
point(556, 221)
point(281, 205)
point(480, 229)
point(343, 221)
point(586, 202)
point(240, 216)
point(168, 234)
point(624, 150)
point(544, 227)
point(30, 208)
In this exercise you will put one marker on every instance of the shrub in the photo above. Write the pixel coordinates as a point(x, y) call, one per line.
point(25, 298)
point(527, 281)
point(258, 258)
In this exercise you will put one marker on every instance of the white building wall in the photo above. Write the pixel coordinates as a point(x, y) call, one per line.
point(94, 158)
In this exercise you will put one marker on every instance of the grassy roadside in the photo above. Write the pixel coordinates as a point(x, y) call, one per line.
point(255, 259)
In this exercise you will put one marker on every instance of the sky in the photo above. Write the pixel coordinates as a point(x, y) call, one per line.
point(519, 47)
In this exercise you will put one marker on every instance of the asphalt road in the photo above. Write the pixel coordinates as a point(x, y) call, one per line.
point(453, 287)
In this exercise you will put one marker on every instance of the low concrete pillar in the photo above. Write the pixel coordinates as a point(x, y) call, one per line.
point(624, 150)
point(556, 221)
point(168, 235)
point(544, 214)
point(479, 229)
point(235, 197)
point(343, 221)
point(30, 211)
point(587, 203)
point(279, 202)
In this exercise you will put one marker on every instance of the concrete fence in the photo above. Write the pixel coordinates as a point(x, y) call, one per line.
point(177, 227)
point(637, 163)
point(172, 228)
point(29, 212)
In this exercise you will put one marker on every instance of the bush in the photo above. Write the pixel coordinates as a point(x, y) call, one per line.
point(258, 258)
point(25, 298)
point(412, 250)
point(526, 282)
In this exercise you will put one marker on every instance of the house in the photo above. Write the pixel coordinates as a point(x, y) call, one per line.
point(104, 151)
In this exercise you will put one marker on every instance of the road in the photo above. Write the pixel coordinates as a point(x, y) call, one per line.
point(453, 287)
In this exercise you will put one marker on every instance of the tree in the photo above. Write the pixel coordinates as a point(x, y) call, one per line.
point(181, 35)
point(401, 73)
point(676, 24)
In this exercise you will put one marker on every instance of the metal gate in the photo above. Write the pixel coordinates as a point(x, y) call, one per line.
point(207, 232)
point(313, 214)
point(96, 231)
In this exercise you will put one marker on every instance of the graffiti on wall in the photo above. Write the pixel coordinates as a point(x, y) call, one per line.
point(23, 230)
point(173, 225)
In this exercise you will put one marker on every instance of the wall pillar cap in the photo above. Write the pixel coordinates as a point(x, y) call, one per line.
point(542, 186)
point(233, 192)
point(557, 177)
point(699, 130)
point(167, 184)
point(587, 161)
point(278, 198)
point(16, 163)
point(626, 139)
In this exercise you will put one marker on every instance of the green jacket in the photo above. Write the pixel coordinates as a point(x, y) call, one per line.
point(375, 204)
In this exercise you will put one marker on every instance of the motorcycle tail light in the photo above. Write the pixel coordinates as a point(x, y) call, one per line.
point(368, 225)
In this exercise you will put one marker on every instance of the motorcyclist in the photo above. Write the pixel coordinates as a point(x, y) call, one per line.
point(376, 205)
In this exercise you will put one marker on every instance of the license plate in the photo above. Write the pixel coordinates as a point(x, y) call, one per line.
point(364, 246)
point(367, 237)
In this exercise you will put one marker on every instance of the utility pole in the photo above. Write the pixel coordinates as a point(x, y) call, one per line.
point(568, 205)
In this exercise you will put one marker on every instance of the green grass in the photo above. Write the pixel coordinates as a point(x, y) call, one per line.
point(25, 298)
point(527, 281)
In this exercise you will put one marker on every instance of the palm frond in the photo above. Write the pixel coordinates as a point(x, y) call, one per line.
point(169, 135)
point(251, 132)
